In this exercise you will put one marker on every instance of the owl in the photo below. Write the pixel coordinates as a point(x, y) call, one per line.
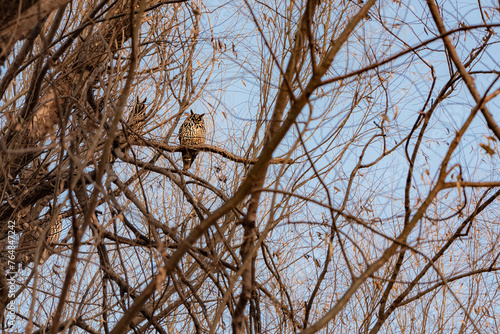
point(192, 132)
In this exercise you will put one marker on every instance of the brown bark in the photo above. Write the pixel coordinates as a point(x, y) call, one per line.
point(20, 16)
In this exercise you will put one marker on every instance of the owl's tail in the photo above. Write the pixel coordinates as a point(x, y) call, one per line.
point(188, 157)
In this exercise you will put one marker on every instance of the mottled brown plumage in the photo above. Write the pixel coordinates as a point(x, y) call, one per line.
point(30, 238)
point(192, 132)
point(137, 118)
point(54, 232)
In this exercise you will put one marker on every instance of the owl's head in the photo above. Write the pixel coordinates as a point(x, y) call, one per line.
point(197, 118)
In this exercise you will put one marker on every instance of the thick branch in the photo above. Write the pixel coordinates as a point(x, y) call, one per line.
point(19, 25)
point(207, 148)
